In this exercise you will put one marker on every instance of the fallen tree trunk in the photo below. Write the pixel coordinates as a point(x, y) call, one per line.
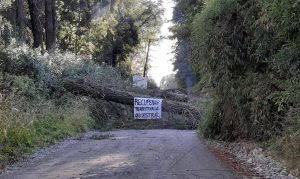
point(164, 94)
point(88, 88)
point(174, 97)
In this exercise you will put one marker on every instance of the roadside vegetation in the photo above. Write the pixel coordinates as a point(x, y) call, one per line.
point(243, 54)
point(36, 110)
point(246, 57)
point(44, 42)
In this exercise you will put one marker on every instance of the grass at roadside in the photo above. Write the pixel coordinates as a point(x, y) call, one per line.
point(287, 148)
point(19, 139)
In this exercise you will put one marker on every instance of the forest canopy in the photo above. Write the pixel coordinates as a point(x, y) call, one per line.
point(109, 30)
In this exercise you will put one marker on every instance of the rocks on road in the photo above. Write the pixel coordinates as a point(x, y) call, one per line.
point(127, 154)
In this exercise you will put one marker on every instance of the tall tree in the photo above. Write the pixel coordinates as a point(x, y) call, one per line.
point(37, 29)
point(183, 15)
point(50, 24)
point(20, 17)
point(112, 4)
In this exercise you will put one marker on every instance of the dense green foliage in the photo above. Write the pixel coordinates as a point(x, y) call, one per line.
point(246, 54)
point(117, 36)
point(4, 24)
point(183, 15)
point(110, 31)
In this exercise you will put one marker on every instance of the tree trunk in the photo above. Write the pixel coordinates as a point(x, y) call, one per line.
point(147, 58)
point(20, 17)
point(114, 57)
point(87, 88)
point(50, 24)
point(112, 4)
point(36, 28)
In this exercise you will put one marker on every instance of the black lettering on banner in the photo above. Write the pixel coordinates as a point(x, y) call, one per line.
point(136, 102)
point(147, 108)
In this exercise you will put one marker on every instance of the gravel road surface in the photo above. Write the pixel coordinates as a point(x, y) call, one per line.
point(126, 154)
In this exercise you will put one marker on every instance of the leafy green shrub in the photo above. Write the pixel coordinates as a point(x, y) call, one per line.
point(288, 144)
point(209, 124)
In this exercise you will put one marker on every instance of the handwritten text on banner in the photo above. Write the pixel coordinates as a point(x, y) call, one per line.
point(147, 108)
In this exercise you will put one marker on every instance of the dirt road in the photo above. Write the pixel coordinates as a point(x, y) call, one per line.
point(128, 154)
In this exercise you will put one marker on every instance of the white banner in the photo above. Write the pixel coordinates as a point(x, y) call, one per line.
point(147, 108)
point(140, 82)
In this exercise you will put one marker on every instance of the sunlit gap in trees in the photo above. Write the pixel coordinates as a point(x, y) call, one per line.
point(161, 55)
point(100, 9)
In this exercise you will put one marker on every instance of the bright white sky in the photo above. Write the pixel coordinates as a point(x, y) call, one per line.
point(161, 55)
